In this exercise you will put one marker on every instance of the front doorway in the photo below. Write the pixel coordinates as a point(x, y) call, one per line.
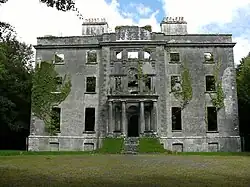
point(133, 126)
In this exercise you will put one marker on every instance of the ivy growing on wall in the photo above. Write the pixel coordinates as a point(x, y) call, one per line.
point(218, 98)
point(148, 28)
point(186, 93)
point(46, 93)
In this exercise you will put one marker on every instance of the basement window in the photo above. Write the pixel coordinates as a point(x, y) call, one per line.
point(176, 118)
point(91, 84)
point(55, 118)
point(59, 58)
point(132, 55)
point(90, 119)
point(212, 119)
point(91, 57)
point(174, 57)
point(210, 83)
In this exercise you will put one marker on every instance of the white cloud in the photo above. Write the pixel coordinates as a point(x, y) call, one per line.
point(142, 9)
point(241, 49)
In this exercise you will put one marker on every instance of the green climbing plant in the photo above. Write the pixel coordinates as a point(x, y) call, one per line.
point(46, 93)
point(218, 98)
point(186, 93)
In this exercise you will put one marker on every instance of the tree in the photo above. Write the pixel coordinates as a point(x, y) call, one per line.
point(62, 5)
point(243, 89)
point(15, 80)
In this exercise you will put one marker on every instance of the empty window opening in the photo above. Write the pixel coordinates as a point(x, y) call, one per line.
point(146, 55)
point(59, 82)
point(89, 146)
point(90, 119)
point(208, 57)
point(91, 84)
point(176, 84)
point(54, 146)
point(177, 147)
point(174, 57)
point(132, 55)
point(56, 118)
point(176, 118)
point(91, 57)
point(210, 83)
point(147, 83)
point(212, 119)
point(118, 55)
point(59, 58)
point(118, 83)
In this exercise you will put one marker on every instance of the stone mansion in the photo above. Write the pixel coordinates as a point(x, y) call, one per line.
point(124, 85)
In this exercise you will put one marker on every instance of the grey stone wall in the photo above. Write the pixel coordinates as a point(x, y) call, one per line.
point(194, 135)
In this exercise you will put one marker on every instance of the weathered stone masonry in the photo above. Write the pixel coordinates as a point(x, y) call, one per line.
point(135, 75)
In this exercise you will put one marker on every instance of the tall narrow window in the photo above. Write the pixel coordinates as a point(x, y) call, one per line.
point(55, 118)
point(174, 57)
point(90, 119)
point(210, 83)
point(91, 84)
point(147, 80)
point(176, 118)
point(91, 57)
point(176, 84)
point(59, 81)
point(212, 119)
point(118, 55)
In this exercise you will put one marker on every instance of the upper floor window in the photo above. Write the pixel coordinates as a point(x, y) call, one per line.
point(91, 84)
point(176, 84)
point(118, 55)
point(210, 83)
point(208, 57)
point(174, 57)
point(59, 58)
point(55, 118)
point(132, 55)
point(91, 57)
point(146, 55)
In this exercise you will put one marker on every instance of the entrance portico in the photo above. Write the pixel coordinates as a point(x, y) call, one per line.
point(132, 116)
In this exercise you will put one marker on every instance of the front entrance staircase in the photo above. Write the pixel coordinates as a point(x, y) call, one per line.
point(130, 145)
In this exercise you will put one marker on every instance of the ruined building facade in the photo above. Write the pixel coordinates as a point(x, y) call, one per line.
point(124, 85)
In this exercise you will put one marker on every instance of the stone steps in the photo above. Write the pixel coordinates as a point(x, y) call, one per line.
point(130, 145)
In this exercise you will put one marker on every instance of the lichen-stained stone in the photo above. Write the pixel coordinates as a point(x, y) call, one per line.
point(111, 67)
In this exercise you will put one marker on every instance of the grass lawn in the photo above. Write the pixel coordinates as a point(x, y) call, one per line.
point(124, 170)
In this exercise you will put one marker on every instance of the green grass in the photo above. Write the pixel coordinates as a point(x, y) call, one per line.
point(150, 145)
point(111, 146)
point(124, 170)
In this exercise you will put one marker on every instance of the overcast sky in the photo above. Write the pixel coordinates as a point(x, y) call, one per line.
point(32, 19)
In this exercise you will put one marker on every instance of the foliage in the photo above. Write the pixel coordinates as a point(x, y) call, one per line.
point(150, 145)
point(186, 93)
point(148, 28)
point(15, 77)
point(243, 90)
point(44, 96)
point(217, 99)
point(62, 5)
point(111, 146)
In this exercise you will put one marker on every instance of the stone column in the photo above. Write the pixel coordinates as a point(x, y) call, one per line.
point(124, 118)
point(110, 125)
point(142, 117)
point(153, 122)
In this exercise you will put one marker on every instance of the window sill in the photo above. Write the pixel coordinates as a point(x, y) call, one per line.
point(91, 63)
point(90, 93)
point(60, 63)
point(174, 62)
point(210, 92)
point(88, 132)
point(176, 130)
point(209, 62)
point(55, 92)
point(212, 132)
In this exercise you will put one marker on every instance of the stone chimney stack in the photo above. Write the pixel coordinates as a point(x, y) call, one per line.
point(94, 26)
point(174, 26)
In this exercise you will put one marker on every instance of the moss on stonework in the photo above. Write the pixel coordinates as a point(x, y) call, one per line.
point(217, 99)
point(111, 146)
point(148, 28)
point(150, 145)
point(45, 94)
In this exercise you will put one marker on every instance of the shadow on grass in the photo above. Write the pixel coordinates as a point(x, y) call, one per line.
point(16, 177)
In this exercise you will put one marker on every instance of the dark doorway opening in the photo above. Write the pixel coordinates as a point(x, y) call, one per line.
point(133, 128)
